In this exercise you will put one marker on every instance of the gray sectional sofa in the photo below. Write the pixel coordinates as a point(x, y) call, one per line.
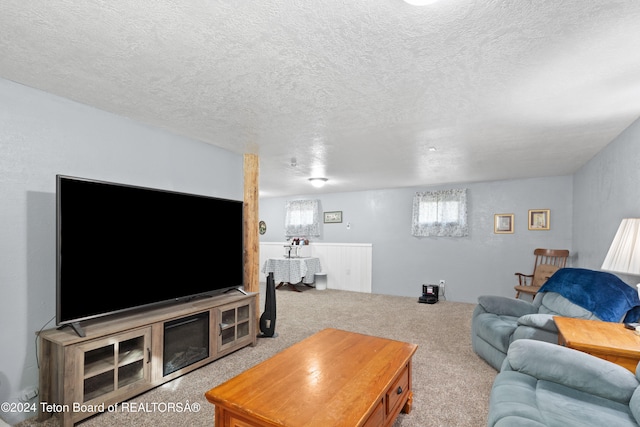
point(571, 292)
point(499, 321)
point(543, 384)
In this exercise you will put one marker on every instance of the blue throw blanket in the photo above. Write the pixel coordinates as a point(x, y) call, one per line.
point(603, 294)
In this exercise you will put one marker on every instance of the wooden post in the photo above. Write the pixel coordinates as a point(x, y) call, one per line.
point(251, 233)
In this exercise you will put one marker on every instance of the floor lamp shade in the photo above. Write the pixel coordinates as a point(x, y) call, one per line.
point(624, 253)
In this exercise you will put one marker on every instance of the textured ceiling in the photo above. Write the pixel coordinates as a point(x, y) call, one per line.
point(358, 90)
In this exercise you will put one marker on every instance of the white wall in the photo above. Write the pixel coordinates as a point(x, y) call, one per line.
point(586, 210)
point(482, 263)
point(42, 135)
point(606, 190)
point(347, 266)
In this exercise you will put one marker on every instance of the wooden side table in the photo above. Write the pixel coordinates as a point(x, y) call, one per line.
point(606, 340)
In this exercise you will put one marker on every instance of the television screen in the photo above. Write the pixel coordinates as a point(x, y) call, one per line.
point(121, 247)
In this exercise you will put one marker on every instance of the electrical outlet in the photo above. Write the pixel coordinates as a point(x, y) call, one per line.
point(442, 282)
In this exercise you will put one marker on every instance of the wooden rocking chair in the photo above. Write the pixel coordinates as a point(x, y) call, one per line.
point(547, 262)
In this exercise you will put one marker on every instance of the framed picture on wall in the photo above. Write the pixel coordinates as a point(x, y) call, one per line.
point(333, 217)
point(503, 223)
point(539, 219)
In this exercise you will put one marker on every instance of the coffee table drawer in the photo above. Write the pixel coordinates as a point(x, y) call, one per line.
point(398, 392)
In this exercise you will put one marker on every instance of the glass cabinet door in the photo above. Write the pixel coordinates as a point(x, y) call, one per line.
point(113, 363)
point(234, 325)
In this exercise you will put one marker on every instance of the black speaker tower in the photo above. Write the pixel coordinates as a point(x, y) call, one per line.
point(268, 318)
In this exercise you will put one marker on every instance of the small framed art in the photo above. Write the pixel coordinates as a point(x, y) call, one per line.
point(503, 223)
point(539, 219)
point(333, 217)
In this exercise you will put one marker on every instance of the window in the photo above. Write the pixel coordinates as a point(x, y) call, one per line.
point(440, 213)
point(302, 218)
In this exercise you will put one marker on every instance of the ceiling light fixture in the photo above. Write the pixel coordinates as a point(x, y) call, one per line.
point(318, 182)
point(420, 2)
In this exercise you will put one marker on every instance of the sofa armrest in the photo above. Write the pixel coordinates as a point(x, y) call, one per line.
point(571, 368)
point(539, 321)
point(504, 306)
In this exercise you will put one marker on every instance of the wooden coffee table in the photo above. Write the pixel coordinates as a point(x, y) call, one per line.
point(606, 340)
point(333, 378)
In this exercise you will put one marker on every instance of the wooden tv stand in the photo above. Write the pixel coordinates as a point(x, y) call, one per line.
point(122, 356)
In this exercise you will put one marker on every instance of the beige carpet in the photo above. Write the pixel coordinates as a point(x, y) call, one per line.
point(451, 383)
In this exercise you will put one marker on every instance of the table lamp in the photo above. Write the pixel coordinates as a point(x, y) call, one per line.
point(624, 253)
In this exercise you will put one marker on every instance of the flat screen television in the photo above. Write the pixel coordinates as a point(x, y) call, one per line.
point(124, 247)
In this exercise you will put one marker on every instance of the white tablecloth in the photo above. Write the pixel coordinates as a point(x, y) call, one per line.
point(292, 270)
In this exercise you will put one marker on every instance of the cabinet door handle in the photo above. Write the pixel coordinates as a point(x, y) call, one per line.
point(148, 355)
point(399, 391)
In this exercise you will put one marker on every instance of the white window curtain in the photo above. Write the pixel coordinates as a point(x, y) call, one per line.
point(440, 213)
point(302, 218)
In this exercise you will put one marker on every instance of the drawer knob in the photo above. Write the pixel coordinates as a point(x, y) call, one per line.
point(399, 391)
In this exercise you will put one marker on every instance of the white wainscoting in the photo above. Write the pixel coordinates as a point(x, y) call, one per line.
point(348, 265)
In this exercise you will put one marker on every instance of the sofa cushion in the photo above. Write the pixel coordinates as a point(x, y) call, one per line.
point(541, 327)
point(575, 369)
point(565, 406)
point(517, 422)
point(496, 330)
point(513, 395)
point(634, 404)
point(540, 321)
point(506, 306)
point(556, 304)
point(519, 399)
